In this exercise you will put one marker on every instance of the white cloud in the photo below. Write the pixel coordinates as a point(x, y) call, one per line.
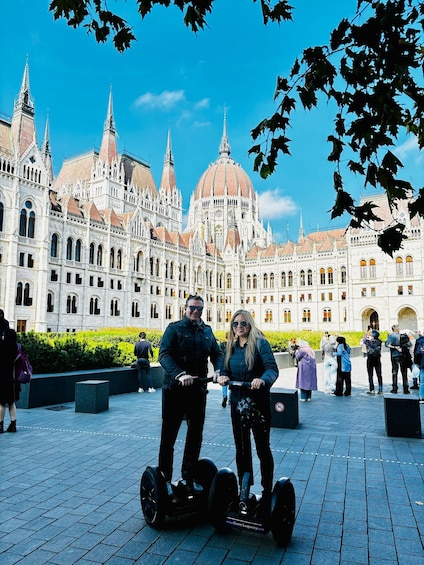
point(409, 149)
point(164, 101)
point(274, 205)
point(202, 104)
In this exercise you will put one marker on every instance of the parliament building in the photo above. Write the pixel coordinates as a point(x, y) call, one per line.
point(102, 245)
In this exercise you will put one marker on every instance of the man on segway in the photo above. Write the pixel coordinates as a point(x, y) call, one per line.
point(185, 349)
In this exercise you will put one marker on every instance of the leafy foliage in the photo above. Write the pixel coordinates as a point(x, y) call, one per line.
point(371, 69)
point(374, 83)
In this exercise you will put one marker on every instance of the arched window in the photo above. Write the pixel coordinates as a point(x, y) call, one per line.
point(248, 282)
point(363, 269)
point(135, 309)
point(255, 281)
point(372, 268)
point(69, 247)
point(50, 302)
point(91, 254)
point(71, 304)
point(157, 267)
point(306, 315)
point(322, 276)
point(27, 298)
point(343, 276)
point(271, 280)
point(54, 245)
point(119, 259)
point(287, 316)
point(326, 315)
point(330, 275)
point(1, 215)
point(268, 316)
point(309, 277)
point(229, 282)
point(172, 271)
point(78, 247)
point(290, 278)
point(409, 262)
point(283, 279)
point(114, 307)
point(399, 266)
point(112, 258)
point(100, 256)
point(265, 281)
point(19, 293)
point(31, 225)
point(154, 311)
point(23, 222)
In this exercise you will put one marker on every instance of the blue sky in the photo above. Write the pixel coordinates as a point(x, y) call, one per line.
point(172, 78)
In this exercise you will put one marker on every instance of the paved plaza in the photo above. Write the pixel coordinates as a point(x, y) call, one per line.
point(69, 485)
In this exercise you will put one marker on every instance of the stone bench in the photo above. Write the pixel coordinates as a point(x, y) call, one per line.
point(91, 396)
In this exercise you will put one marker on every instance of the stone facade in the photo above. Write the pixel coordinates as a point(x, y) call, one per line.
point(101, 246)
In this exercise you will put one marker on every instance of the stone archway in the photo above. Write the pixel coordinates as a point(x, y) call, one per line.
point(407, 319)
point(370, 318)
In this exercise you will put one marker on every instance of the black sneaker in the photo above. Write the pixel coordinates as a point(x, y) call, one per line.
point(224, 401)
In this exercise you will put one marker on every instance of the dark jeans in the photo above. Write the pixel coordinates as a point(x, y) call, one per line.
point(144, 375)
point(242, 439)
point(343, 377)
point(177, 403)
point(374, 363)
point(396, 365)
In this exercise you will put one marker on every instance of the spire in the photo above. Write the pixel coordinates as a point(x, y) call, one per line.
point(224, 147)
point(108, 149)
point(24, 101)
point(46, 152)
point(168, 181)
point(301, 232)
point(23, 127)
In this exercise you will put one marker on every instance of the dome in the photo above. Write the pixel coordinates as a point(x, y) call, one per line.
point(224, 177)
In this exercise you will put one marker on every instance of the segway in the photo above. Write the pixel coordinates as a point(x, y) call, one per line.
point(227, 509)
point(158, 503)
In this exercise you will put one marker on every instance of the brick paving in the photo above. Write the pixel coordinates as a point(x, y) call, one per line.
point(69, 489)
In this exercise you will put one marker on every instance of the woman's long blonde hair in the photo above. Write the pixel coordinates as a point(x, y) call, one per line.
point(254, 334)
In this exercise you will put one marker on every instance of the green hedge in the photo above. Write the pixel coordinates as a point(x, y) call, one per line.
point(58, 353)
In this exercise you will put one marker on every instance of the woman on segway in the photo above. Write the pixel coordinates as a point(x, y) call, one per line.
point(249, 359)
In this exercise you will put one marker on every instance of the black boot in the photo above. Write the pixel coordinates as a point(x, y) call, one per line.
point(415, 384)
point(12, 426)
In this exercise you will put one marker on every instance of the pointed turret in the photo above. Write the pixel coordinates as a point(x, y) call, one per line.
point(224, 147)
point(46, 153)
point(108, 149)
point(23, 128)
point(168, 181)
point(301, 232)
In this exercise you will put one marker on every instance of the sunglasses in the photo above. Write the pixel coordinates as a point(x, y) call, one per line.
point(194, 308)
point(243, 324)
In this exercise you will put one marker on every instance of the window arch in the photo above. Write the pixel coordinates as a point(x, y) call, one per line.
point(409, 263)
point(69, 248)
point(100, 255)
point(372, 268)
point(306, 315)
point(78, 247)
point(54, 245)
point(326, 315)
point(91, 254)
point(363, 269)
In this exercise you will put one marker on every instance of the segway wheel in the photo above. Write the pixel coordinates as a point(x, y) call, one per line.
point(283, 508)
point(222, 495)
point(153, 496)
point(204, 473)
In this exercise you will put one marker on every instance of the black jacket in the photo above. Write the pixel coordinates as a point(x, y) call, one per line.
point(185, 349)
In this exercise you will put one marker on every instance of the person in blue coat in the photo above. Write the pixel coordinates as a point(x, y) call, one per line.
point(344, 367)
point(249, 359)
